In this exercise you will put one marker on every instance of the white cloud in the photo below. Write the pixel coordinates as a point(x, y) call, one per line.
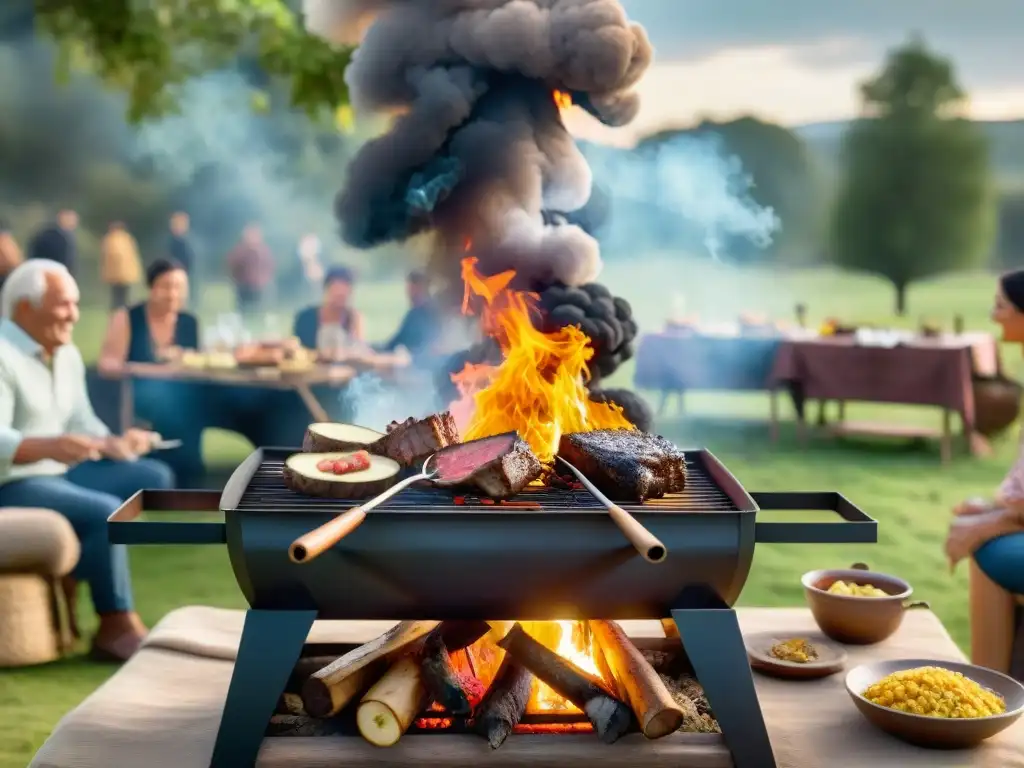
point(774, 82)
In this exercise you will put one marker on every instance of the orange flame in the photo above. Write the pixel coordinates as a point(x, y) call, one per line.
point(567, 642)
point(539, 388)
point(562, 99)
point(566, 638)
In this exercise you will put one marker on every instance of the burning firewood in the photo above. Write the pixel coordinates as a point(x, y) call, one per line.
point(609, 716)
point(390, 706)
point(505, 703)
point(334, 683)
point(461, 634)
point(326, 692)
point(637, 681)
point(441, 678)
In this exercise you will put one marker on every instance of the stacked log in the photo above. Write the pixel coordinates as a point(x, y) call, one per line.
point(417, 665)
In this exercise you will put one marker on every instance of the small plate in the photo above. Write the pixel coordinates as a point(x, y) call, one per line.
point(830, 658)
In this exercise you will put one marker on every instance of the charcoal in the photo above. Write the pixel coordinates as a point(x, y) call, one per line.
point(626, 464)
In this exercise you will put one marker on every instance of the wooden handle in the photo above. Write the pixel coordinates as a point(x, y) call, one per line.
point(646, 543)
point(319, 540)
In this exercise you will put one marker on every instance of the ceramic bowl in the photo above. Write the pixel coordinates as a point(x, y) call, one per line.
point(858, 620)
point(936, 732)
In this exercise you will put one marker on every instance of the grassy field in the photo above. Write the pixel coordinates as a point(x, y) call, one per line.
point(905, 488)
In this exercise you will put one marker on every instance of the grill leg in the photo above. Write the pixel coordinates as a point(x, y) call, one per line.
point(271, 644)
point(714, 645)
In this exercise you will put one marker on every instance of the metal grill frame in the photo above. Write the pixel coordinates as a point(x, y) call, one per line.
point(257, 487)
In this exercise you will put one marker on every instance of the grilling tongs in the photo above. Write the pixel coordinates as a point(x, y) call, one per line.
point(319, 540)
point(646, 543)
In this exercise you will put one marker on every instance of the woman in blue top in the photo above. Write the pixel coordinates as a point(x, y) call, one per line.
point(991, 532)
point(152, 332)
point(334, 312)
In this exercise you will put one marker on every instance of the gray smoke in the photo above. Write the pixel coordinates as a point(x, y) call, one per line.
point(477, 149)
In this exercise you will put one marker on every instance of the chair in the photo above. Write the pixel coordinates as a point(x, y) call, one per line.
point(38, 547)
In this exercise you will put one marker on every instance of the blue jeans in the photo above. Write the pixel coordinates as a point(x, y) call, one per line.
point(176, 410)
point(87, 495)
point(1002, 560)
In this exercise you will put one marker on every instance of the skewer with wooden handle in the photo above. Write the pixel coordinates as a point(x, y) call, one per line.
point(313, 544)
point(646, 543)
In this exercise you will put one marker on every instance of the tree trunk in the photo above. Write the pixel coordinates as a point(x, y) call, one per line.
point(901, 299)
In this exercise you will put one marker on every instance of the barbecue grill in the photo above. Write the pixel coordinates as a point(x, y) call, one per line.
point(429, 553)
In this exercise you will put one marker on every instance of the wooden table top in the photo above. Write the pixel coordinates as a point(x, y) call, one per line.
point(270, 377)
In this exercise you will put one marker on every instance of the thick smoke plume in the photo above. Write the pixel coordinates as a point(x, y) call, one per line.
point(477, 150)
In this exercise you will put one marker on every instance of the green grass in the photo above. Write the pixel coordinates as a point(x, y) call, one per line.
point(905, 488)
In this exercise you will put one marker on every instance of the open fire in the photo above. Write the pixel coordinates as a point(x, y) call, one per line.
point(499, 678)
point(539, 388)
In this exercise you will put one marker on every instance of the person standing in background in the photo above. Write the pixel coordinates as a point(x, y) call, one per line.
point(179, 247)
point(311, 266)
point(251, 267)
point(10, 252)
point(57, 242)
point(120, 265)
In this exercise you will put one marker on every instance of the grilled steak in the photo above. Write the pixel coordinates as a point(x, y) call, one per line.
point(411, 441)
point(626, 464)
point(500, 466)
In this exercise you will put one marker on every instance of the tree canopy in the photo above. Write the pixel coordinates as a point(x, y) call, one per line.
point(150, 49)
point(917, 198)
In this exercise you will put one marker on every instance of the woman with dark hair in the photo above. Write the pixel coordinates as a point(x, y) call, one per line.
point(335, 322)
point(154, 331)
point(991, 533)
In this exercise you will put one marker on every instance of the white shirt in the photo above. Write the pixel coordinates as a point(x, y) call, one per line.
point(40, 400)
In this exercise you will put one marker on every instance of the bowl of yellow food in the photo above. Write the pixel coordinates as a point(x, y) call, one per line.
point(856, 605)
point(937, 704)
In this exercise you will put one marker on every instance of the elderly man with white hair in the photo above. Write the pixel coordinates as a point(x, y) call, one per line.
point(54, 450)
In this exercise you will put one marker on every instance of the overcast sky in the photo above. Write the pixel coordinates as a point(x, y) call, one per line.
point(799, 61)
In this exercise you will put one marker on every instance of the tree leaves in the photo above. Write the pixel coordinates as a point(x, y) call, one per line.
point(917, 199)
point(151, 48)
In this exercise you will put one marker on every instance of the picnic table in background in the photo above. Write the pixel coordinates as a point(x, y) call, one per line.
point(300, 382)
point(675, 362)
point(937, 372)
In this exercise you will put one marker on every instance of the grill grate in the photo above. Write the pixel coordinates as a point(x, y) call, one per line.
point(266, 492)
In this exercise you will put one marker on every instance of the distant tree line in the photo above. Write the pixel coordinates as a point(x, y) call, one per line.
point(915, 195)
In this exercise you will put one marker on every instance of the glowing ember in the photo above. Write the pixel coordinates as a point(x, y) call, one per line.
point(539, 388)
point(562, 99)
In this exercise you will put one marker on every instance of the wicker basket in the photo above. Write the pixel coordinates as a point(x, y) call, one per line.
point(996, 404)
point(31, 631)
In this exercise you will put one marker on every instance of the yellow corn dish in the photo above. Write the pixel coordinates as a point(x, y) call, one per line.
point(850, 589)
point(935, 692)
point(797, 650)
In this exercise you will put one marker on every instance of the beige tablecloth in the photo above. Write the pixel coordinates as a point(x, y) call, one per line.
point(162, 709)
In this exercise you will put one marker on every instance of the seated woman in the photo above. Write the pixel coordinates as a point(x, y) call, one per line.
point(151, 332)
point(335, 323)
point(992, 532)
